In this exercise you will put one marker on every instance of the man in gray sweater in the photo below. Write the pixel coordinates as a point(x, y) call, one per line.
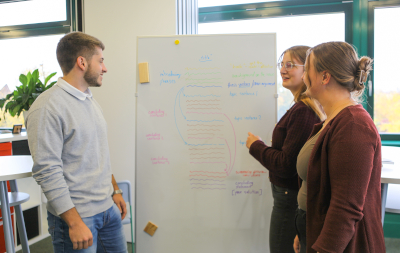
point(67, 136)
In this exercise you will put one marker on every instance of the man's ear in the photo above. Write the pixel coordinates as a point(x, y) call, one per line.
point(81, 63)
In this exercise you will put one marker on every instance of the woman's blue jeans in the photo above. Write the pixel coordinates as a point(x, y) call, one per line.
point(106, 228)
point(282, 229)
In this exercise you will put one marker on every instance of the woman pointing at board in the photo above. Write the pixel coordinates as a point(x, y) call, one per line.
point(288, 137)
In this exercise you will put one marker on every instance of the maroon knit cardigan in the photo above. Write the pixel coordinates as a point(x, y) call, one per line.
point(344, 186)
point(288, 137)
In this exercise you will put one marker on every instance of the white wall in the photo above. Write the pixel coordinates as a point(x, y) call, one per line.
point(117, 23)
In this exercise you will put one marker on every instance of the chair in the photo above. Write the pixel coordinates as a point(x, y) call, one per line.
point(14, 199)
point(125, 186)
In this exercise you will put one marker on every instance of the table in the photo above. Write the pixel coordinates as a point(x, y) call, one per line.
point(390, 173)
point(12, 168)
point(7, 137)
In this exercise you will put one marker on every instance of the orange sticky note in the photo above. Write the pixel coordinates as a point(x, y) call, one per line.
point(150, 228)
point(144, 72)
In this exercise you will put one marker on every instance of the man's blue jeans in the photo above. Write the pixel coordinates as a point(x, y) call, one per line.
point(106, 227)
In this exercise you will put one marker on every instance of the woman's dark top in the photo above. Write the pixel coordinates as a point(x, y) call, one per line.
point(289, 136)
point(344, 186)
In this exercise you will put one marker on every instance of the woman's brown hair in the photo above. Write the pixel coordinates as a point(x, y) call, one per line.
point(340, 59)
point(300, 54)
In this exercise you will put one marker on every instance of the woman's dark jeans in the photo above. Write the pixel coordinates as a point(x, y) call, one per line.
point(301, 229)
point(282, 230)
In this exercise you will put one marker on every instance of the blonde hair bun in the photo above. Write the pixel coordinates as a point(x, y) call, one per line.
point(364, 67)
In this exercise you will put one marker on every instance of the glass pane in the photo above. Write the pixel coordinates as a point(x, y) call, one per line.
point(209, 3)
point(18, 56)
point(386, 83)
point(32, 12)
point(290, 31)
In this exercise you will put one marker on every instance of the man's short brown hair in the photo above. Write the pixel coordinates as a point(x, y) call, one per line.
point(73, 45)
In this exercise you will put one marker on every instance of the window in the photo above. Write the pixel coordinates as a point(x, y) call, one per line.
point(20, 55)
point(29, 33)
point(289, 27)
point(386, 109)
point(208, 3)
point(32, 12)
point(27, 54)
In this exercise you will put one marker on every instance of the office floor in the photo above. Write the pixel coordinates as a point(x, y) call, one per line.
point(45, 246)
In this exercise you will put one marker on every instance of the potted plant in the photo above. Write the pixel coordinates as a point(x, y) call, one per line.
point(24, 95)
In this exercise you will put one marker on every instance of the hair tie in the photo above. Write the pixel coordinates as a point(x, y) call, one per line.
point(363, 77)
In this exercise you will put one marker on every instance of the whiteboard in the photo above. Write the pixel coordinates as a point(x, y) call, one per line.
point(195, 178)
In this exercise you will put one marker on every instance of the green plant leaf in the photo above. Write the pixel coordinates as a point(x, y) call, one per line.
point(35, 75)
point(26, 106)
point(29, 77)
point(30, 102)
point(41, 85)
point(33, 82)
point(35, 95)
point(19, 89)
point(25, 98)
point(16, 109)
point(10, 95)
point(31, 88)
point(23, 79)
point(17, 98)
point(50, 85)
point(9, 107)
point(49, 77)
point(2, 101)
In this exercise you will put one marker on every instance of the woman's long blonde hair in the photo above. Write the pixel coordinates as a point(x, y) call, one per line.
point(300, 54)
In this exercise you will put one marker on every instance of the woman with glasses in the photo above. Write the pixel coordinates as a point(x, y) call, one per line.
point(288, 137)
point(342, 158)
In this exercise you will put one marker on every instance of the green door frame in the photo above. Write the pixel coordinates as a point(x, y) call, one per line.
point(360, 42)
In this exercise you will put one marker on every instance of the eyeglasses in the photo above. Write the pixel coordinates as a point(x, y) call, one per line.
point(288, 65)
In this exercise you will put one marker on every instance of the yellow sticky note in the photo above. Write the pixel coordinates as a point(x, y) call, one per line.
point(150, 228)
point(144, 72)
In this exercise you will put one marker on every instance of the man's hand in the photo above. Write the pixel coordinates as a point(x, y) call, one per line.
point(120, 202)
point(251, 138)
point(296, 244)
point(80, 235)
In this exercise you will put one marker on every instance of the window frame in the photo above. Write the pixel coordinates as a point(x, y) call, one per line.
point(359, 17)
point(73, 22)
point(389, 139)
point(279, 9)
point(37, 29)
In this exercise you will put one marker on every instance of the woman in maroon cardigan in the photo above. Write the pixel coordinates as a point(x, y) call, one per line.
point(344, 170)
point(288, 137)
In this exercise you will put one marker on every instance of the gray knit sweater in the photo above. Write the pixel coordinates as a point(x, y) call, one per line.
point(67, 137)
